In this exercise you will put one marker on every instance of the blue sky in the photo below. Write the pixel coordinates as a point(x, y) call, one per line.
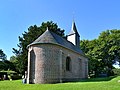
point(91, 17)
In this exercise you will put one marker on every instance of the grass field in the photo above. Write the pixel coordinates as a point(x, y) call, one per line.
point(110, 83)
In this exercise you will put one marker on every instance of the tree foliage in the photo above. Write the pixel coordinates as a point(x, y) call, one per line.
point(4, 63)
point(28, 37)
point(2, 55)
point(14, 61)
point(102, 52)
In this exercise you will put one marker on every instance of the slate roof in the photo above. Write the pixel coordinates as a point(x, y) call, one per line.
point(50, 37)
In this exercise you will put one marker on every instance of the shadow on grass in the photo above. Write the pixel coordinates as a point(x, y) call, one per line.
point(98, 79)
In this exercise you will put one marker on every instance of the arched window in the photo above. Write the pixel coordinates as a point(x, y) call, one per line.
point(80, 64)
point(68, 64)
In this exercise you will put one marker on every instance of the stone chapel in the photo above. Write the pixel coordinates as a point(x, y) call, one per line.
point(53, 59)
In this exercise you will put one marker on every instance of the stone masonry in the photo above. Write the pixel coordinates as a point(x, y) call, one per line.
point(45, 64)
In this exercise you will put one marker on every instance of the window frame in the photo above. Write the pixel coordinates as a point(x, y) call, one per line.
point(68, 63)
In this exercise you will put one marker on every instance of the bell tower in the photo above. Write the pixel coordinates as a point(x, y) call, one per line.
point(74, 36)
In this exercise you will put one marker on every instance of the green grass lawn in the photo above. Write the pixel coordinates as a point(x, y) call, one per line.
point(110, 83)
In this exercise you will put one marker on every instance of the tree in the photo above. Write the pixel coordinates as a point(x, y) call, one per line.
point(28, 37)
point(2, 55)
point(14, 61)
point(103, 52)
point(4, 63)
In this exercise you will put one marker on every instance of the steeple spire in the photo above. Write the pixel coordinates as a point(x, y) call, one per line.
point(74, 35)
point(74, 29)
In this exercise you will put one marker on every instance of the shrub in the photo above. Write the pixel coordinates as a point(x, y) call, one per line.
point(116, 71)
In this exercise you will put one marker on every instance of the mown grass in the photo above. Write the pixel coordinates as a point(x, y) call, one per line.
point(90, 84)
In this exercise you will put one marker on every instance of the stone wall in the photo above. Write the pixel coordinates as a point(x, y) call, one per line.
point(50, 64)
